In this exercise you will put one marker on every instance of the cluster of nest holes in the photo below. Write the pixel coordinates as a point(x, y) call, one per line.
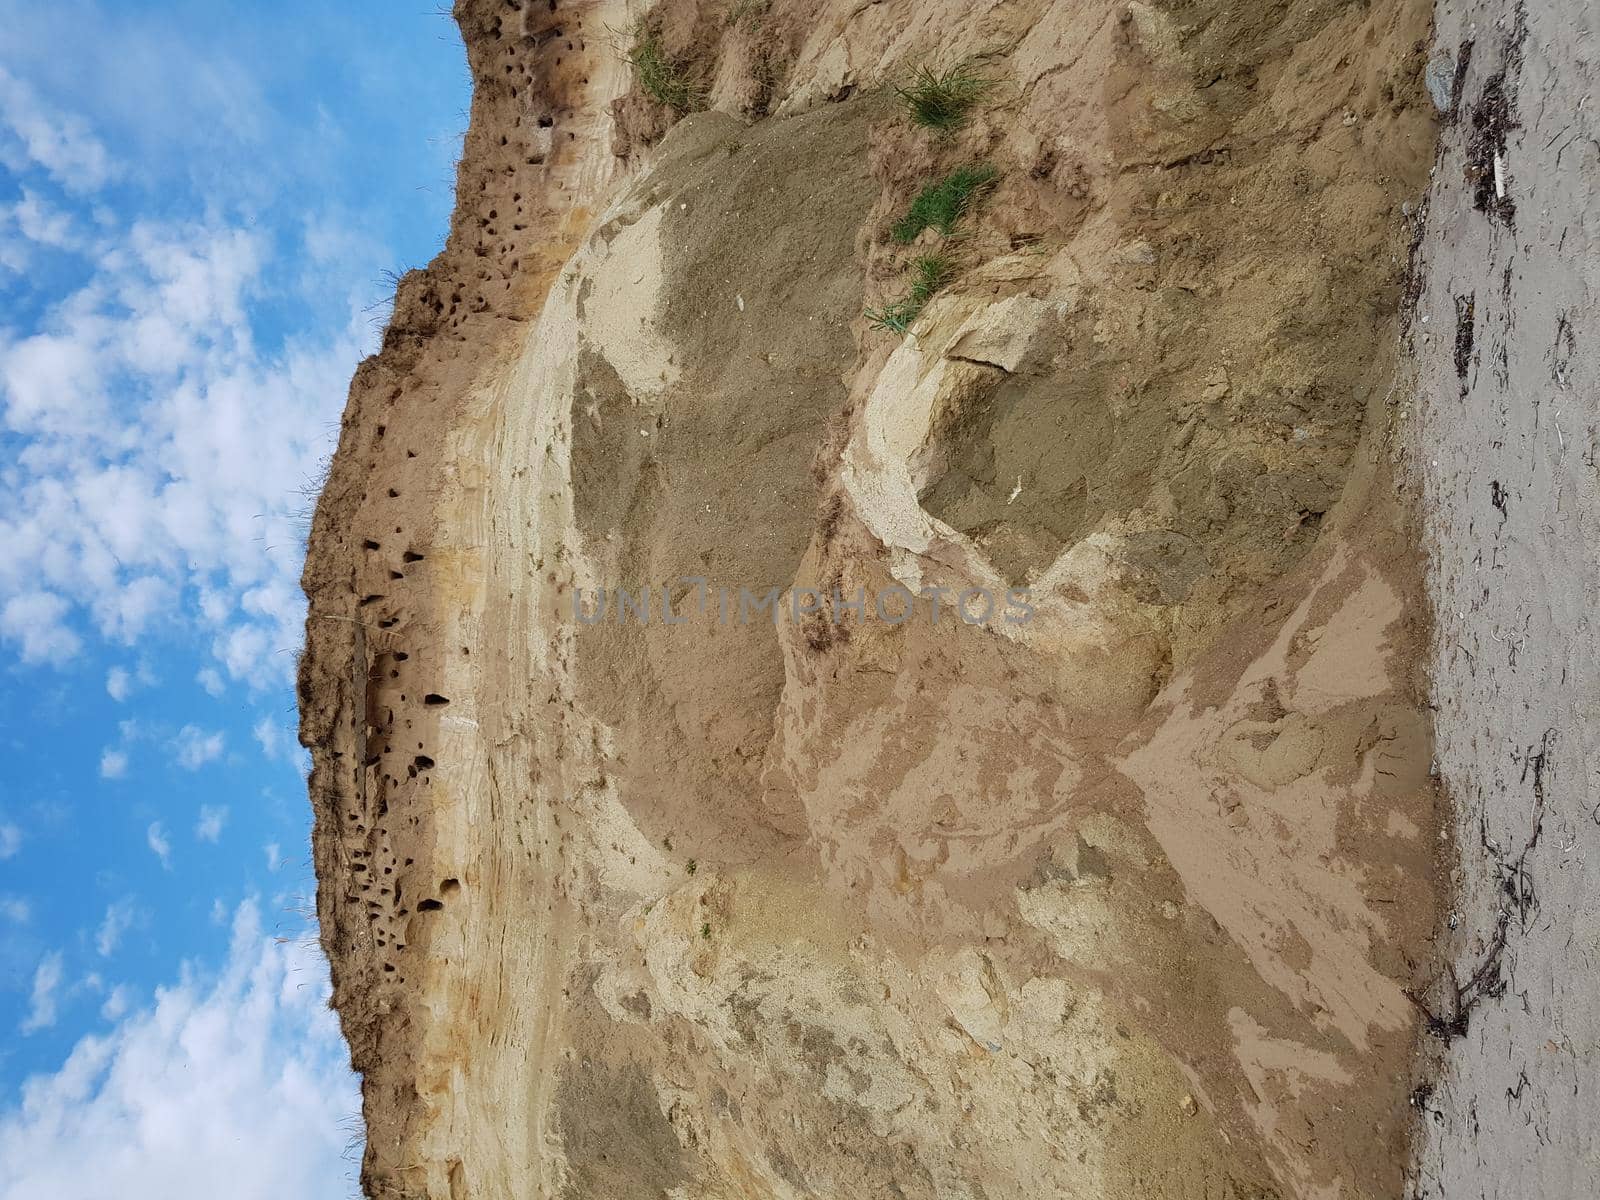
point(393, 573)
point(520, 68)
point(379, 890)
point(396, 759)
point(522, 64)
point(380, 894)
point(523, 69)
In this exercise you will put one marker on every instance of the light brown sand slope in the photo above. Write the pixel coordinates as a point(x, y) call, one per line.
point(1123, 900)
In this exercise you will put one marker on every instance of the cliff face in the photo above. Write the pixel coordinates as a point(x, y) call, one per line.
point(909, 899)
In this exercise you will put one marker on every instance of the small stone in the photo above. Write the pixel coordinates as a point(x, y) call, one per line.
point(1217, 385)
point(1169, 910)
point(1081, 862)
point(1138, 253)
point(1440, 79)
point(1188, 1105)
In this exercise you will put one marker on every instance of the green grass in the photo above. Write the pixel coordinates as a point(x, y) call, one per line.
point(929, 273)
point(943, 102)
point(942, 205)
point(663, 80)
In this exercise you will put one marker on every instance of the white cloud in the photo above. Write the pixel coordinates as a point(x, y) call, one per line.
point(156, 838)
point(274, 856)
point(14, 255)
point(42, 1003)
point(195, 747)
point(61, 143)
point(274, 739)
point(118, 920)
point(10, 840)
point(36, 621)
point(209, 679)
point(164, 453)
point(32, 223)
point(209, 827)
point(143, 676)
point(15, 910)
point(119, 684)
point(169, 396)
point(113, 764)
point(117, 1003)
point(239, 1078)
point(278, 743)
point(137, 602)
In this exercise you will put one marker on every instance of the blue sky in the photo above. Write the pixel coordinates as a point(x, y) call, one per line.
point(198, 203)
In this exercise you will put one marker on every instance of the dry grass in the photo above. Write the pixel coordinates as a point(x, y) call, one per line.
point(663, 79)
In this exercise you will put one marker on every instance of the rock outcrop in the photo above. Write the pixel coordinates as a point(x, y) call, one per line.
point(999, 766)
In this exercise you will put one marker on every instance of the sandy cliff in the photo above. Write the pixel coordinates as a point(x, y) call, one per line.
point(1130, 898)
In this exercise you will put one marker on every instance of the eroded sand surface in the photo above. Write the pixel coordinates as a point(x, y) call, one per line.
point(1129, 899)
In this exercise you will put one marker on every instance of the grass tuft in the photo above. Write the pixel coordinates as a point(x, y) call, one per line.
point(941, 205)
point(943, 102)
point(663, 80)
point(929, 273)
point(754, 9)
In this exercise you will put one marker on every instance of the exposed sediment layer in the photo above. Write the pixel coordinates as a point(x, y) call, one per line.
point(1126, 899)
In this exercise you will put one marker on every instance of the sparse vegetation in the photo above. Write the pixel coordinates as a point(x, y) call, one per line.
point(705, 930)
point(941, 205)
point(662, 79)
point(754, 9)
point(895, 317)
point(943, 102)
point(692, 866)
point(929, 273)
